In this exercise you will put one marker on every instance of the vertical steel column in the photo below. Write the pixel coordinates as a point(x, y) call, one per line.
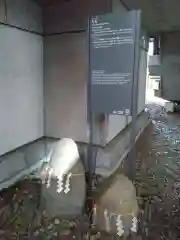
point(132, 155)
point(91, 159)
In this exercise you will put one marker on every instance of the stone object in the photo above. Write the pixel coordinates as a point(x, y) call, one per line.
point(117, 208)
point(64, 189)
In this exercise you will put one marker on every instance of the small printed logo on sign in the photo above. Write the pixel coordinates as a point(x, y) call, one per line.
point(118, 112)
point(127, 111)
point(114, 112)
point(94, 21)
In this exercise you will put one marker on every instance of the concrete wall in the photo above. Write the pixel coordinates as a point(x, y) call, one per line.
point(118, 123)
point(22, 13)
point(21, 76)
point(170, 55)
point(65, 94)
point(66, 73)
point(65, 85)
point(65, 69)
point(117, 7)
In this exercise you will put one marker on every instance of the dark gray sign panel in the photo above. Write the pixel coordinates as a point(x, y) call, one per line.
point(112, 56)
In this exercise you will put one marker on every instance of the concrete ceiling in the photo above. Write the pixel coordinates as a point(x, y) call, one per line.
point(49, 2)
point(158, 15)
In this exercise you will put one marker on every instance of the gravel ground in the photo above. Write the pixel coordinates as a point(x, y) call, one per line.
point(158, 188)
point(158, 177)
point(21, 216)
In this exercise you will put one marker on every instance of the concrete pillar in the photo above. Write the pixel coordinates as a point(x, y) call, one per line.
point(170, 70)
point(157, 45)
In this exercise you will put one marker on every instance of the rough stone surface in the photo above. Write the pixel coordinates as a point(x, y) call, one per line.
point(119, 199)
point(64, 161)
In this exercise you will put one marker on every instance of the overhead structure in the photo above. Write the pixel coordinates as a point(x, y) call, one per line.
point(161, 18)
point(158, 15)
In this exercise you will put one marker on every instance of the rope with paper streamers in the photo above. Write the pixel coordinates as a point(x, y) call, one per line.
point(119, 222)
point(63, 181)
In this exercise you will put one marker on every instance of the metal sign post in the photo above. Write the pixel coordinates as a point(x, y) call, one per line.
point(113, 74)
point(132, 154)
point(91, 159)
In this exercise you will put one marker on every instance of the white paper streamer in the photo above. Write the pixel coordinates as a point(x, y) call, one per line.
point(134, 225)
point(60, 184)
point(119, 225)
point(67, 184)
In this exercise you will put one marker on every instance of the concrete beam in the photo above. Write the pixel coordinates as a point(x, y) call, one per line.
point(24, 14)
point(72, 15)
point(170, 55)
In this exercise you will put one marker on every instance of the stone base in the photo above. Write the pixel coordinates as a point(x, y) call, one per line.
point(64, 188)
point(118, 200)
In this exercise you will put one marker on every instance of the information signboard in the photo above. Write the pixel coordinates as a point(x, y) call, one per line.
point(112, 43)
